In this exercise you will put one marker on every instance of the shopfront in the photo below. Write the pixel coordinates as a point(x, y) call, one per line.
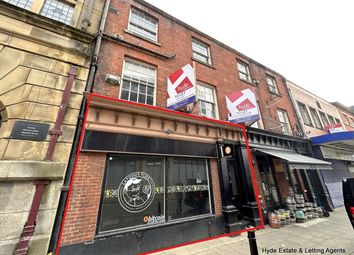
point(286, 168)
point(149, 178)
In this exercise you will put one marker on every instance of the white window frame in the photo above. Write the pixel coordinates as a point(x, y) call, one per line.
point(27, 6)
point(69, 14)
point(206, 46)
point(315, 114)
point(323, 118)
point(271, 83)
point(141, 27)
point(331, 119)
point(240, 73)
point(286, 121)
point(143, 64)
point(201, 84)
point(299, 104)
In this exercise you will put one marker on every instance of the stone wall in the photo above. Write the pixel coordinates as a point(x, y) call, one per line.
point(35, 58)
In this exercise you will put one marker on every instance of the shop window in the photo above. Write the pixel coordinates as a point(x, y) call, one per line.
point(243, 71)
point(304, 114)
point(324, 118)
point(58, 10)
point(25, 4)
point(206, 100)
point(272, 86)
point(138, 82)
point(187, 188)
point(141, 191)
point(284, 122)
point(201, 51)
point(143, 24)
point(315, 118)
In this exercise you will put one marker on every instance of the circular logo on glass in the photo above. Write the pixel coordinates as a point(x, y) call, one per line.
point(136, 192)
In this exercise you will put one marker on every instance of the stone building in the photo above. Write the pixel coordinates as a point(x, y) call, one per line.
point(148, 177)
point(45, 53)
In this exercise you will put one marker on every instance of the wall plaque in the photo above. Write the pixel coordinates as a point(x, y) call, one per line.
point(26, 130)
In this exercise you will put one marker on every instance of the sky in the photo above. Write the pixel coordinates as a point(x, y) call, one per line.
point(311, 42)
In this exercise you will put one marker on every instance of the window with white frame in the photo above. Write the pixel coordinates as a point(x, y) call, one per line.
point(25, 4)
point(243, 71)
point(331, 119)
point(284, 122)
point(272, 86)
point(345, 119)
point(201, 51)
point(206, 100)
point(138, 82)
point(304, 114)
point(315, 118)
point(143, 24)
point(352, 121)
point(337, 121)
point(324, 118)
point(58, 10)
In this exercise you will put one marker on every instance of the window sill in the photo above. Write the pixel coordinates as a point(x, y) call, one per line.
point(274, 93)
point(145, 227)
point(206, 64)
point(308, 125)
point(142, 37)
point(248, 82)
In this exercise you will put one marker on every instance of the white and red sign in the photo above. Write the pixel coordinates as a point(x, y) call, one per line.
point(335, 128)
point(181, 88)
point(242, 107)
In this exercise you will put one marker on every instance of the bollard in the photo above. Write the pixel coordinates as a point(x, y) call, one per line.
point(251, 234)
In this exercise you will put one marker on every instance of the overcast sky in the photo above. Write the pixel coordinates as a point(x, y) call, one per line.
point(311, 42)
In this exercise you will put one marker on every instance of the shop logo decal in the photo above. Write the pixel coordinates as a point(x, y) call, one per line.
point(136, 192)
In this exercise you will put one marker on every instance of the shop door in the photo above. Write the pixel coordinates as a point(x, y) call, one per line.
point(269, 187)
point(234, 182)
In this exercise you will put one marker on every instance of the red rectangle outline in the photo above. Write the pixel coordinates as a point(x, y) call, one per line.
point(255, 189)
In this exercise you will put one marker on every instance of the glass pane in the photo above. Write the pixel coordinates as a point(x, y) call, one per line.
point(141, 98)
point(133, 97)
point(57, 10)
point(187, 188)
point(133, 192)
point(150, 100)
point(125, 94)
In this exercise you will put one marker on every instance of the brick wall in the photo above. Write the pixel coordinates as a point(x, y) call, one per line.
point(80, 223)
point(216, 187)
point(175, 39)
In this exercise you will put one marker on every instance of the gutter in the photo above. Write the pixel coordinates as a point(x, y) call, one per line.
point(54, 244)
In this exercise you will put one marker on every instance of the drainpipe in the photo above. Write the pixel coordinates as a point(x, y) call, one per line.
point(30, 225)
point(64, 198)
point(297, 113)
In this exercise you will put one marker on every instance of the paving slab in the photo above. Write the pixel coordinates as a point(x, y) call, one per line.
point(324, 236)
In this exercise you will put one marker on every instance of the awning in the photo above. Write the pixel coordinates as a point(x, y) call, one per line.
point(298, 161)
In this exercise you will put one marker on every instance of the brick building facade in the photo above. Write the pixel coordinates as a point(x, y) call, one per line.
point(142, 46)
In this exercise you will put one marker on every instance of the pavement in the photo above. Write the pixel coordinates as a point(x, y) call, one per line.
point(332, 235)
